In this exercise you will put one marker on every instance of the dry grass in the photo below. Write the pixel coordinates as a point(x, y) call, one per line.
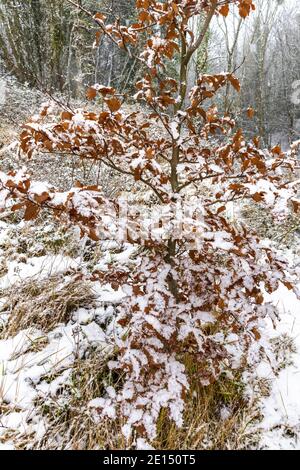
point(44, 304)
point(204, 425)
point(68, 419)
point(70, 424)
point(284, 348)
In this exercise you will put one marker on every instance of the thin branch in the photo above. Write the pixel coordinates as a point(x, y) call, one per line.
point(203, 32)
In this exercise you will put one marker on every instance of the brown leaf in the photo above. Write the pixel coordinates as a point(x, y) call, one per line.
point(66, 116)
point(250, 113)
point(257, 197)
point(40, 198)
point(137, 291)
point(100, 17)
point(256, 333)
point(143, 4)
point(31, 211)
point(244, 12)
point(224, 10)
point(234, 82)
point(114, 104)
point(296, 206)
point(221, 209)
point(18, 206)
point(107, 90)
point(98, 37)
point(144, 16)
point(256, 141)
point(91, 93)
point(93, 235)
point(288, 285)
point(137, 174)
point(276, 150)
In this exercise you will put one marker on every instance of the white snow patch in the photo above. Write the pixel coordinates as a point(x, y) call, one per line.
point(36, 268)
point(105, 293)
point(281, 410)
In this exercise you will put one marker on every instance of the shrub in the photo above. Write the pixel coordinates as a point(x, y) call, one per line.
point(197, 287)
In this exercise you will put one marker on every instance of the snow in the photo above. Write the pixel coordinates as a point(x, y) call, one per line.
point(13, 347)
point(174, 130)
point(36, 268)
point(281, 410)
point(25, 373)
point(105, 293)
point(220, 240)
point(35, 365)
point(106, 405)
point(83, 316)
point(6, 447)
point(95, 335)
point(22, 369)
point(142, 444)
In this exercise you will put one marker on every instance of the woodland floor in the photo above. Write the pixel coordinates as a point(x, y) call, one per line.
point(57, 330)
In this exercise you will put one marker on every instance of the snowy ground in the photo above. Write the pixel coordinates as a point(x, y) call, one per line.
point(281, 410)
point(35, 365)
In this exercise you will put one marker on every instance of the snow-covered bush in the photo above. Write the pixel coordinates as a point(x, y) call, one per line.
point(196, 288)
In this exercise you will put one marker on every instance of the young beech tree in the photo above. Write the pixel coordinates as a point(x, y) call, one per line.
point(196, 291)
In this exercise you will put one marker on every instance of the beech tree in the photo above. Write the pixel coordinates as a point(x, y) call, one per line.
point(196, 288)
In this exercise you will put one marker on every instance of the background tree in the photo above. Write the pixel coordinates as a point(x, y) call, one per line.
point(49, 44)
point(263, 50)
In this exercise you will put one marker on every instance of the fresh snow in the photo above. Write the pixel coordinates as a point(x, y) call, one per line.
point(280, 427)
point(35, 365)
point(105, 293)
point(36, 268)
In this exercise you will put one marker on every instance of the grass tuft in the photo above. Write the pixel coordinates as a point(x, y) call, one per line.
point(44, 304)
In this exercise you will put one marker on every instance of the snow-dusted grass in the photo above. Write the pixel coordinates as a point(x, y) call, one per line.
point(46, 303)
point(57, 332)
point(217, 417)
